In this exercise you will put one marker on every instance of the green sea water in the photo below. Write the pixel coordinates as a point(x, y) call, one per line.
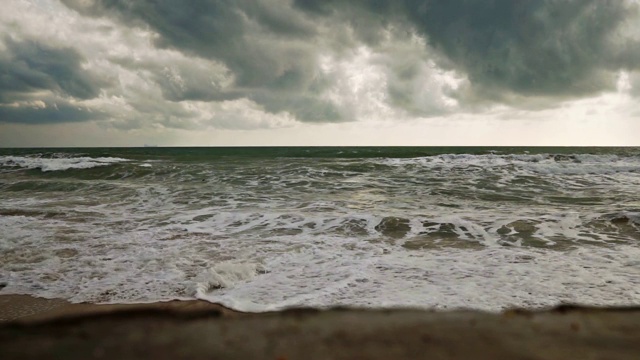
point(261, 228)
point(205, 153)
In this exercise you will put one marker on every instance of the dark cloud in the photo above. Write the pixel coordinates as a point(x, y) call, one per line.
point(266, 45)
point(368, 19)
point(310, 108)
point(38, 83)
point(527, 47)
point(546, 48)
point(29, 66)
point(529, 54)
point(47, 112)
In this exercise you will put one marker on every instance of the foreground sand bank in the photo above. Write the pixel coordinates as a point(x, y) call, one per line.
point(26, 309)
point(198, 330)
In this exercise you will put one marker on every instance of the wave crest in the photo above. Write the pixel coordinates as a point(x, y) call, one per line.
point(224, 275)
point(46, 164)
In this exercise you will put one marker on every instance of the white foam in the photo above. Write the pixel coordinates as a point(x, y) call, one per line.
point(538, 163)
point(303, 270)
point(57, 164)
point(224, 275)
point(492, 279)
point(172, 235)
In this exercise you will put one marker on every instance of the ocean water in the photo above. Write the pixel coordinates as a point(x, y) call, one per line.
point(261, 229)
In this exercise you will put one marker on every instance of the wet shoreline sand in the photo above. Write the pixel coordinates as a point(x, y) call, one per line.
point(28, 309)
point(199, 330)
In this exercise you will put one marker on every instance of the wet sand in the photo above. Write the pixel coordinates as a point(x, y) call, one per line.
point(15, 307)
point(199, 330)
point(27, 309)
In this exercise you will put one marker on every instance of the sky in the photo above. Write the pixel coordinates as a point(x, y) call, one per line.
point(319, 72)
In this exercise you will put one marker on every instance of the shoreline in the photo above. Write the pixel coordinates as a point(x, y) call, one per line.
point(197, 329)
point(28, 308)
point(24, 308)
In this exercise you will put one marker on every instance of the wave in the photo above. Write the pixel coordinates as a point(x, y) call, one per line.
point(224, 275)
point(552, 230)
point(46, 164)
point(541, 164)
point(432, 231)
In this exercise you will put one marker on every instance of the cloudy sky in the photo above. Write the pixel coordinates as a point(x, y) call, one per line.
point(319, 72)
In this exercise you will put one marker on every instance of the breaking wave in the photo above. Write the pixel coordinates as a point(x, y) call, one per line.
point(257, 233)
point(46, 164)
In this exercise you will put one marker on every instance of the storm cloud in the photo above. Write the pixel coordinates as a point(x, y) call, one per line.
point(29, 66)
point(38, 83)
point(267, 46)
point(545, 48)
point(530, 47)
point(47, 112)
point(184, 65)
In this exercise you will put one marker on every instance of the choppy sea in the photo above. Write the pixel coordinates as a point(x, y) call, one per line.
point(261, 229)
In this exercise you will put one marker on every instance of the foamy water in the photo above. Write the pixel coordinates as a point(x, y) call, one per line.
point(485, 230)
point(56, 163)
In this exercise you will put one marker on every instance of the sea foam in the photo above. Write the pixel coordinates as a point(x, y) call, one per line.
point(57, 164)
point(475, 231)
point(224, 275)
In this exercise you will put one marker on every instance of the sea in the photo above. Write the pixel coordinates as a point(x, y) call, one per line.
point(266, 228)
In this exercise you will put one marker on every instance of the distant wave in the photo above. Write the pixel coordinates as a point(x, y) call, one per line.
point(57, 164)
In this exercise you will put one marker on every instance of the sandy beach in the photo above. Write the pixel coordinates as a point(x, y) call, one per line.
point(29, 309)
point(37, 328)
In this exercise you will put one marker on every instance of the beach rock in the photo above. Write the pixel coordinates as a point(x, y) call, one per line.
point(522, 226)
point(394, 227)
point(620, 220)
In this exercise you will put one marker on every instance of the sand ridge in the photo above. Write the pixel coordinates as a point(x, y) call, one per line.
point(199, 330)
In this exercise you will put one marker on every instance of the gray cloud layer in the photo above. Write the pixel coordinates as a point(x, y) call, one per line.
point(529, 47)
point(519, 53)
point(548, 48)
point(267, 45)
point(29, 66)
point(47, 112)
point(38, 81)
